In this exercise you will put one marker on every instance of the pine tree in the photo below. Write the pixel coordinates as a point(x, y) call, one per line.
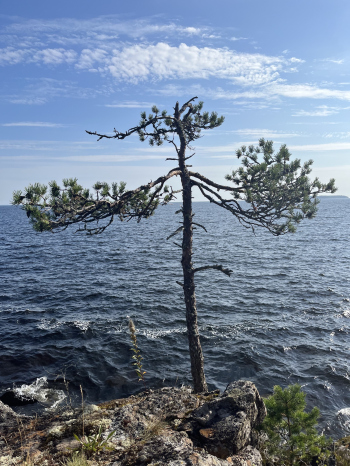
point(277, 191)
point(292, 436)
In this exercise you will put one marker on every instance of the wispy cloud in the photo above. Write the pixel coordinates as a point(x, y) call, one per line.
point(333, 60)
point(301, 91)
point(94, 31)
point(268, 91)
point(41, 90)
point(12, 56)
point(131, 104)
point(41, 124)
point(100, 158)
point(337, 134)
point(55, 56)
point(238, 38)
point(28, 101)
point(265, 133)
point(332, 146)
point(106, 45)
point(320, 111)
point(140, 62)
point(229, 151)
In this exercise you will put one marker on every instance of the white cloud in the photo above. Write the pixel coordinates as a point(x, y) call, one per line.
point(337, 134)
point(100, 158)
point(131, 104)
point(229, 151)
point(267, 91)
point(141, 62)
point(324, 112)
point(161, 61)
point(265, 133)
point(321, 111)
point(301, 91)
point(88, 58)
point(55, 56)
point(11, 56)
point(332, 146)
point(28, 101)
point(296, 60)
point(41, 124)
point(332, 60)
point(92, 32)
point(42, 90)
point(211, 36)
point(238, 38)
point(191, 30)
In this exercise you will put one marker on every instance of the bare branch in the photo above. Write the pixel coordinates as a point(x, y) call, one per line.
point(175, 232)
point(199, 225)
point(186, 105)
point(215, 267)
point(215, 185)
point(151, 122)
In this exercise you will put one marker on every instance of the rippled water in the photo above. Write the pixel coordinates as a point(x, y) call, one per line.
point(283, 316)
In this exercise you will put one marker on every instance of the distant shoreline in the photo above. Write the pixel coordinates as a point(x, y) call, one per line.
point(334, 197)
point(329, 196)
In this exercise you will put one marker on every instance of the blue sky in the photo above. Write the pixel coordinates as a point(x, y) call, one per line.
point(274, 69)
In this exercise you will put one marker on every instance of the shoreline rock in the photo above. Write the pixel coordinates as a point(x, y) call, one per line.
point(165, 427)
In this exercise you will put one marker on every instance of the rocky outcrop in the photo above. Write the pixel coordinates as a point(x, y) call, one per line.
point(226, 425)
point(8, 419)
point(165, 427)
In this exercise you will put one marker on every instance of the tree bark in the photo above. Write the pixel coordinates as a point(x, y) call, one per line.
point(196, 354)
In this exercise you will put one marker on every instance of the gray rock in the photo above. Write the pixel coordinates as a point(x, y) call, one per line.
point(8, 418)
point(165, 427)
point(6, 413)
point(249, 456)
point(225, 425)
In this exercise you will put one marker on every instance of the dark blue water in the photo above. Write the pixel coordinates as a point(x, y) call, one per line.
point(283, 316)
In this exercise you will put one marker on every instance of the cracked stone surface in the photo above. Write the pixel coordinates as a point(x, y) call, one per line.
point(165, 427)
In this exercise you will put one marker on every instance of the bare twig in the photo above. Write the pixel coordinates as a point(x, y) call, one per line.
point(215, 267)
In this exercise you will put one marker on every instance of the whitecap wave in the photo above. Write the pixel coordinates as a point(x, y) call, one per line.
point(38, 391)
point(49, 324)
point(82, 324)
point(344, 418)
point(154, 334)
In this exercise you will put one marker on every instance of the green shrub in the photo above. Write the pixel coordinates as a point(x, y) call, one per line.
point(94, 443)
point(291, 434)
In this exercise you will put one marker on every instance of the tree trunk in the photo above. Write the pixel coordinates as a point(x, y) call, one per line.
point(197, 361)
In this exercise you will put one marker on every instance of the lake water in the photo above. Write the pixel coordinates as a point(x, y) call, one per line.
point(283, 317)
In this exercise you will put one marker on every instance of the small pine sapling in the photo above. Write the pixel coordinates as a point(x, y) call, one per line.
point(291, 432)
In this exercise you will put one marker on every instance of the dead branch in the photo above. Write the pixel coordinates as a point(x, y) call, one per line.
point(215, 267)
point(199, 225)
point(175, 232)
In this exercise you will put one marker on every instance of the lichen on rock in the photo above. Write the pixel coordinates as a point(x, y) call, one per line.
point(166, 427)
